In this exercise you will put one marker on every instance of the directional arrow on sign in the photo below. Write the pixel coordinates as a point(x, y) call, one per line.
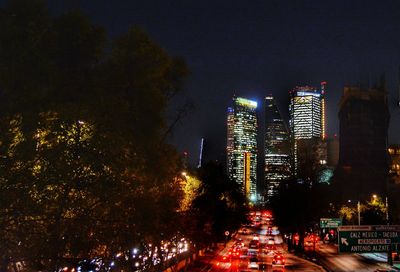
point(344, 241)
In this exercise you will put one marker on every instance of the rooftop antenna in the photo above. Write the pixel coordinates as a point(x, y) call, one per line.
point(201, 153)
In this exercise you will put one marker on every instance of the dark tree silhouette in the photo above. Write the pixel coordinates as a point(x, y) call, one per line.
point(85, 169)
point(219, 205)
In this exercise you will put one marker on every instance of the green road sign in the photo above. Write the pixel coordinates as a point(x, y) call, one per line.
point(358, 239)
point(327, 223)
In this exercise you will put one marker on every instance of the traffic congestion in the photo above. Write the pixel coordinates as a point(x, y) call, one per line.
point(258, 246)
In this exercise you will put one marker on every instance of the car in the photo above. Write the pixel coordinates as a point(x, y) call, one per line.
point(253, 263)
point(252, 252)
point(269, 250)
point(224, 262)
point(278, 259)
point(244, 231)
point(243, 253)
point(254, 244)
point(234, 252)
point(271, 241)
point(308, 243)
point(270, 247)
point(239, 244)
point(262, 267)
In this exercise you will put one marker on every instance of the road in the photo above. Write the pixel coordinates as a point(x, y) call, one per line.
point(329, 258)
point(263, 255)
point(326, 255)
point(293, 263)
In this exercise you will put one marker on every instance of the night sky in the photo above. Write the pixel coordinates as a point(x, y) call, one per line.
point(254, 48)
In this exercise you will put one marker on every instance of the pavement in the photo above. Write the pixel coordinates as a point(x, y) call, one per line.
point(328, 257)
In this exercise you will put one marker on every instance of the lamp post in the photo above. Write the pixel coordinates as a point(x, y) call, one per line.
point(358, 211)
point(386, 207)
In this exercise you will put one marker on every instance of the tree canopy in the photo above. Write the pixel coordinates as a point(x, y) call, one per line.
point(218, 206)
point(84, 165)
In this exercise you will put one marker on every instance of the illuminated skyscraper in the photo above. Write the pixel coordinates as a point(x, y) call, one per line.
point(307, 125)
point(277, 148)
point(242, 144)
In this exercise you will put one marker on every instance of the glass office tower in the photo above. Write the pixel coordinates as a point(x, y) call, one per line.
point(242, 145)
point(307, 122)
point(276, 148)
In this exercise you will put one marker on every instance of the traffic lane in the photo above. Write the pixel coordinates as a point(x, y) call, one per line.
point(266, 257)
point(232, 266)
point(294, 263)
point(263, 256)
point(329, 258)
point(242, 264)
point(343, 263)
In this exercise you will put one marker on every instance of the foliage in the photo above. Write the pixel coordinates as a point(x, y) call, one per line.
point(218, 206)
point(82, 132)
point(298, 206)
point(190, 186)
point(303, 200)
point(310, 153)
point(372, 212)
point(348, 214)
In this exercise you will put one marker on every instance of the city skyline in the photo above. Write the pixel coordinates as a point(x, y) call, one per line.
point(260, 48)
point(199, 135)
point(279, 146)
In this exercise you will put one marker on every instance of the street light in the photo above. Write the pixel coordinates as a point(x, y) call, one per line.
point(375, 197)
point(358, 210)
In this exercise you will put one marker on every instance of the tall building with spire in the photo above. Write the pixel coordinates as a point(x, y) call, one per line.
point(276, 148)
point(307, 127)
point(242, 145)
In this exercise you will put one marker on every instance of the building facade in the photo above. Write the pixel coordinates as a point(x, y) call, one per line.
point(276, 148)
point(394, 169)
point(333, 150)
point(242, 145)
point(307, 127)
point(363, 152)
